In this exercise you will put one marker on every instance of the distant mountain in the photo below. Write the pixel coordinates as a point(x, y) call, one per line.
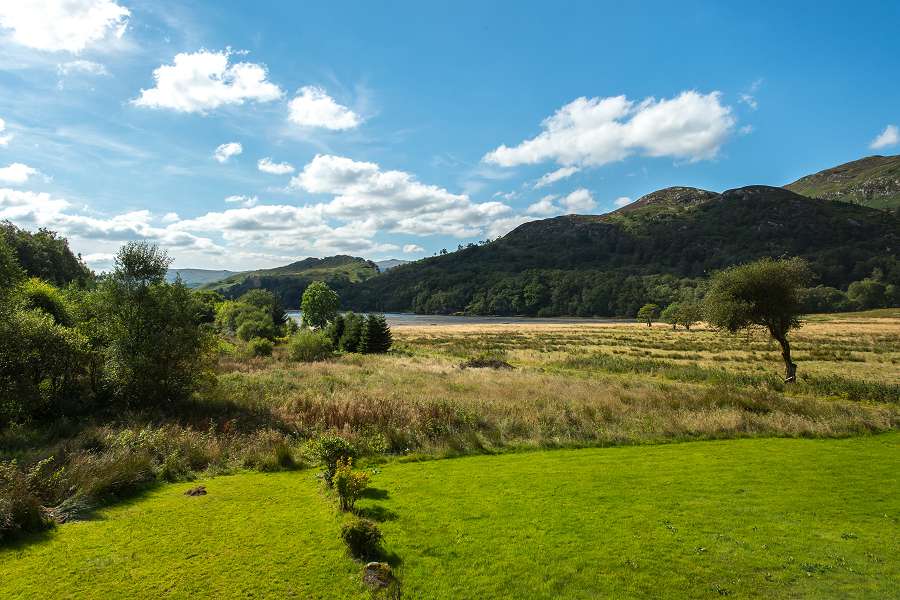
point(657, 249)
point(873, 181)
point(389, 263)
point(289, 282)
point(197, 277)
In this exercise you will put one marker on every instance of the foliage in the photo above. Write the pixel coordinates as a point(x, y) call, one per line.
point(319, 305)
point(647, 313)
point(45, 255)
point(207, 302)
point(766, 294)
point(10, 271)
point(352, 332)
point(259, 347)
point(335, 330)
point(36, 294)
point(375, 336)
point(348, 484)
point(268, 302)
point(685, 314)
point(255, 324)
point(309, 346)
point(329, 449)
point(363, 538)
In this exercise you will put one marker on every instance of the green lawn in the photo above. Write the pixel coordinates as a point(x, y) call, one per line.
point(743, 518)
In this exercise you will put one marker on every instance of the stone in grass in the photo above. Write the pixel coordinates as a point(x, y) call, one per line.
point(200, 490)
point(378, 575)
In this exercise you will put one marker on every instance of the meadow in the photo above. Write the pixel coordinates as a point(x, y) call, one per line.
point(573, 478)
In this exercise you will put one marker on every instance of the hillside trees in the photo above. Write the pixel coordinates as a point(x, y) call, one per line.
point(762, 294)
point(46, 255)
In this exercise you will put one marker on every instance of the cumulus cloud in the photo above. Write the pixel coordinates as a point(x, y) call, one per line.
point(544, 207)
point(313, 107)
point(596, 131)
point(225, 151)
point(63, 25)
point(889, 137)
point(245, 201)
point(554, 176)
point(395, 199)
point(267, 166)
point(39, 209)
point(579, 201)
point(16, 173)
point(622, 201)
point(171, 217)
point(202, 81)
point(412, 248)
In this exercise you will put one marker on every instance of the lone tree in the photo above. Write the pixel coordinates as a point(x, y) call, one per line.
point(647, 313)
point(375, 337)
point(762, 294)
point(319, 304)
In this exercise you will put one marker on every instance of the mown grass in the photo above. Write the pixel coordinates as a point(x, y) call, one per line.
point(764, 518)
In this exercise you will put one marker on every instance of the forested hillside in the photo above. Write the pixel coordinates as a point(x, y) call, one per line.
point(659, 249)
point(873, 181)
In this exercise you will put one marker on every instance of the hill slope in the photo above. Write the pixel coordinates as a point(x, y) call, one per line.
point(197, 277)
point(289, 281)
point(611, 264)
point(873, 181)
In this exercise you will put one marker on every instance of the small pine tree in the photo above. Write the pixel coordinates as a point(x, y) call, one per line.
point(375, 337)
point(349, 341)
point(335, 330)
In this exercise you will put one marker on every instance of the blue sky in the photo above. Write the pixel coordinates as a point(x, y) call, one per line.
point(396, 129)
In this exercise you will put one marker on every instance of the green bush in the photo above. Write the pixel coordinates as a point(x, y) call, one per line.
point(348, 483)
point(329, 449)
point(335, 330)
point(363, 538)
point(309, 346)
point(259, 347)
point(349, 340)
point(20, 507)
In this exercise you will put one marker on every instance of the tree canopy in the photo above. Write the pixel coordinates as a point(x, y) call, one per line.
point(319, 305)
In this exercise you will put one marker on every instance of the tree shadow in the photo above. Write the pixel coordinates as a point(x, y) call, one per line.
point(374, 494)
point(377, 513)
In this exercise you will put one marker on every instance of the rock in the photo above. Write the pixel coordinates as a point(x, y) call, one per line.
point(377, 575)
point(200, 490)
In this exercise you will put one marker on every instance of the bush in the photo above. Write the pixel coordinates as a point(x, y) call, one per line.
point(363, 538)
point(349, 341)
point(309, 346)
point(329, 449)
point(349, 484)
point(259, 347)
point(375, 337)
point(335, 330)
point(20, 507)
point(256, 324)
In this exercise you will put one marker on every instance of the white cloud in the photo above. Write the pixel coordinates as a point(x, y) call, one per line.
point(579, 201)
point(750, 101)
point(225, 151)
point(889, 137)
point(746, 130)
point(16, 173)
point(4, 139)
point(81, 66)
point(592, 132)
point(245, 201)
point(544, 207)
point(394, 199)
point(171, 217)
point(202, 81)
point(100, 260)
point(412, 248)
point(267, 166)
point(555, 176)
point(500, 227)
point(69, 25)
point(313, 107)
point(622, 201)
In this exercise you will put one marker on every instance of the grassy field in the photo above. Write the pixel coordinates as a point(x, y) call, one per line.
point(765, 518)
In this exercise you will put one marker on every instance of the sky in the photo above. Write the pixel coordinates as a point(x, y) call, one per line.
point(243, 135)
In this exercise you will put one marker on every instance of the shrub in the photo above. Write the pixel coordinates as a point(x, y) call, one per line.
point(255, 324)
point(353, 324)
point(329, 449)
point(20, 507)
point(349, 484)
point(375, 337)
point(309, 346)
point(363, 538)
point(335, 330)
point(259, 347)
point(40, 295)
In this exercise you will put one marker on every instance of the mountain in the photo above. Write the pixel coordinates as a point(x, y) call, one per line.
point(873, 181)
point(289, 282)
point(198, 277)
point(660, 248)
point(389, 263)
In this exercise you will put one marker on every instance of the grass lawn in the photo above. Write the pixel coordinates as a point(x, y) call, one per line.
point(766, 518)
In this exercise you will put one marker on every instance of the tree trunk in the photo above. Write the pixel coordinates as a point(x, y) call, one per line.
point(790, 369)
